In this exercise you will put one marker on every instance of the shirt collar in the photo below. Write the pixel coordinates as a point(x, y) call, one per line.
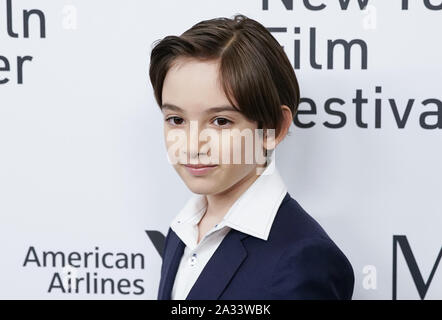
point(252, 213)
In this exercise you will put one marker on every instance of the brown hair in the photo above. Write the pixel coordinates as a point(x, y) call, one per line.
point(253, 69)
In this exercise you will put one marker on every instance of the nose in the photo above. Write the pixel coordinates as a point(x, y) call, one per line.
point(192, 152)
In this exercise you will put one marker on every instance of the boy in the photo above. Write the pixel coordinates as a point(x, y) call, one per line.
point(241, 236)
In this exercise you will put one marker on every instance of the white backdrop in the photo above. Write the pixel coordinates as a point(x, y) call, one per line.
point(83, 167)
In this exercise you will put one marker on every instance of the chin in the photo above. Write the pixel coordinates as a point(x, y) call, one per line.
point(204, 184)
point(200, 187)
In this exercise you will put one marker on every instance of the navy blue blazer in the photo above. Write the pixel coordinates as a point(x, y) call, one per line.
point(298, 261)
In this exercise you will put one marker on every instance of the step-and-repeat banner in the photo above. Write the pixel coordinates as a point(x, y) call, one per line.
point(85, 185)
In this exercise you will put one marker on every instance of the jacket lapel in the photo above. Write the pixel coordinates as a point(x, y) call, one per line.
point(171, 262)
point(220, 268)
point(218, 271)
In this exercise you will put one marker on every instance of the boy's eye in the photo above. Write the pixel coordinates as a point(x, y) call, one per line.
point(174, 119)
point(222, 121)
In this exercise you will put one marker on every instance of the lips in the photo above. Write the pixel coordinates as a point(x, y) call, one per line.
point(198, 166)
point(199, 169)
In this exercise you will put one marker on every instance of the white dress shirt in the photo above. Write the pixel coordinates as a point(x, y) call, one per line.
point(252, 213)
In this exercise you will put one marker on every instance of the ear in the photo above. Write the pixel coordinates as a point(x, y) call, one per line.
point(269, 139)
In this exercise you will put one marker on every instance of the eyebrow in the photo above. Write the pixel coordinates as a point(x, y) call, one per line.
point(210, 110)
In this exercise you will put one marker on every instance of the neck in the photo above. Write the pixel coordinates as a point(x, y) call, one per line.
point(218, 204)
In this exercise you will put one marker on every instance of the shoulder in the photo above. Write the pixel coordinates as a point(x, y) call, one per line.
point(292, 223)
point(314, 265)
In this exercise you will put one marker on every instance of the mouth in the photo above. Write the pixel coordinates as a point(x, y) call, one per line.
point(199, 169)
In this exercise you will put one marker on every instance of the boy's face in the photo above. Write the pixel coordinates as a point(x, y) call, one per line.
point(192, 86)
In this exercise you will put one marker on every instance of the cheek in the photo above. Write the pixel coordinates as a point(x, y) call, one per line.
point(168, 143)
point(238, 149)
point(166, 132)
point(176, 141)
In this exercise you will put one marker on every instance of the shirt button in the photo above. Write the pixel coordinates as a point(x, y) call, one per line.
point(192, 260)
